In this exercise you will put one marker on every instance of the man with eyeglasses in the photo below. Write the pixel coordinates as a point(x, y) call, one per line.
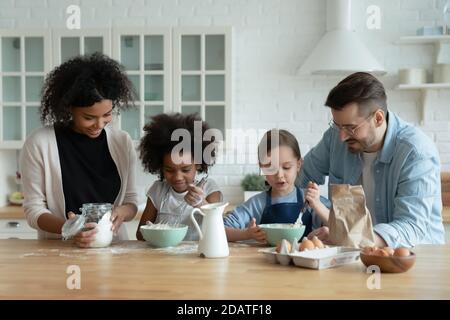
point(396, 163)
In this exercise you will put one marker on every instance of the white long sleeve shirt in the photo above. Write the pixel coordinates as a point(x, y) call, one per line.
point(42, 180)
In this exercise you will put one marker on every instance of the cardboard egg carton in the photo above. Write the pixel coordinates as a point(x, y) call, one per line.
point(325, 258)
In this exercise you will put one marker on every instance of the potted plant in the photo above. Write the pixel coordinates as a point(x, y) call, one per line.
point(253, 184)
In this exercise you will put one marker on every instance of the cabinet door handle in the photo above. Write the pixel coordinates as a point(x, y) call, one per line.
point(13, 224)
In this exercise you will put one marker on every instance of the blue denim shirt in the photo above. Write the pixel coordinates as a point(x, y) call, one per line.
point(407, 196)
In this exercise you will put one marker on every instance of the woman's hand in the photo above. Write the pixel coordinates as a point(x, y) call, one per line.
point(84, 238)
point(117, 218)
point(125, 212)
point(255, 232)
point(195, 196)
point(313, 195)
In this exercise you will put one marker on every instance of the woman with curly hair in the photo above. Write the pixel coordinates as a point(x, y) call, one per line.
point(172, 198)
point(76, 158)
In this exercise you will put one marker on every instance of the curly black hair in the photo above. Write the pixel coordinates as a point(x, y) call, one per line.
point(157, 141)
point(81, 82)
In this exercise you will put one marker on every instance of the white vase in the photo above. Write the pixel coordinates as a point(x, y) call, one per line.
point(249, 194)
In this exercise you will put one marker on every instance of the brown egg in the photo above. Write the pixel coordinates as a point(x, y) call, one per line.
point(368, 250)
point(317, 242)
point(389, 250)
point(306, 245)
point(381, 253)
point(282, 243)
point(401, 252)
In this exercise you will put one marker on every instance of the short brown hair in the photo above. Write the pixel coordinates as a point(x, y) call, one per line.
point(362, 88)
point(285, 138)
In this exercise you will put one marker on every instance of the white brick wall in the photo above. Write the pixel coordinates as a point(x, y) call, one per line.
point(271, 40)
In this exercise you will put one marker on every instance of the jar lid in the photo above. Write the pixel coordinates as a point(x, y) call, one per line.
point(72, 226)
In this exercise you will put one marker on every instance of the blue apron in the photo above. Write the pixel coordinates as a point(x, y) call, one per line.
point(286, 212)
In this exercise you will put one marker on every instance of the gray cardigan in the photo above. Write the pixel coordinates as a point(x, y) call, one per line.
point(42, 182)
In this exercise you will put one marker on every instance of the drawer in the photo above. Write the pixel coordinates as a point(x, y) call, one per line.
point(23, 235)
point(16, 229)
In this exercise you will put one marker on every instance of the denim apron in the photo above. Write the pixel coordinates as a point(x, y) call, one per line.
point(286, 212)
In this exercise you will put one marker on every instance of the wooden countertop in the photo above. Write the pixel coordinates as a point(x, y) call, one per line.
point(12, 212)
point(33, 269)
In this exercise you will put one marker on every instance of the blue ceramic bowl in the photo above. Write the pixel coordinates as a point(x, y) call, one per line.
point(275, 232)
point(164, 237)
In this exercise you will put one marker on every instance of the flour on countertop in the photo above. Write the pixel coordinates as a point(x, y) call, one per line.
point(118, 248)
point(180, 249)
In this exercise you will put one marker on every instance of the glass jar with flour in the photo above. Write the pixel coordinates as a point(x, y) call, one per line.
point(99, 213)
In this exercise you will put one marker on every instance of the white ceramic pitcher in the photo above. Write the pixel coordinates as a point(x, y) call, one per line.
point(213, 240)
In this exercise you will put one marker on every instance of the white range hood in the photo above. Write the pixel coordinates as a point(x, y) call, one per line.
point(340, 51)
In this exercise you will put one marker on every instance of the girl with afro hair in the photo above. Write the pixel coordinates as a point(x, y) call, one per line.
point(172, 198)
point(76, 157)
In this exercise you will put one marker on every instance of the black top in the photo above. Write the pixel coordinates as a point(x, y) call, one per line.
point(89, 173)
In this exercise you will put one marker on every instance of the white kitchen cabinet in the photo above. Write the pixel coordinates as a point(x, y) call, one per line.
point(185, 69)
point(67, 44)
point(16, 229)
point(146, 55)
point(202, 74)
point(24, 61)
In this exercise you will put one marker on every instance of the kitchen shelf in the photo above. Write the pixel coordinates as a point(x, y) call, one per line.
point(424, 39)
point(426, 89)
point(437, 41)
point(423, 86)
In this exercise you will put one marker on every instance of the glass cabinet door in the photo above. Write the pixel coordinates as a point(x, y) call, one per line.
point(154, 88)
point(129, 48)
point(11, 89)
point(190, 53)
point(145, 55)
point(130, 122)
point(151, 111)
point(93, 44)
point(68, 44)
point(154, 52)
point(24, 63)
point(34, 54)
point(215, 52)
point(202, 74)
point(215, 87)
point(33, 87)
point(70, 47)
point(11, 54)
point(32, 117)
point(191, 88)
point(12, 124)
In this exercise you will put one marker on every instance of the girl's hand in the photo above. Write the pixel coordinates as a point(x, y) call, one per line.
point(313, 195)
point(255, 232)
point(84, 238)
point(195, 196)
point(322, 233)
